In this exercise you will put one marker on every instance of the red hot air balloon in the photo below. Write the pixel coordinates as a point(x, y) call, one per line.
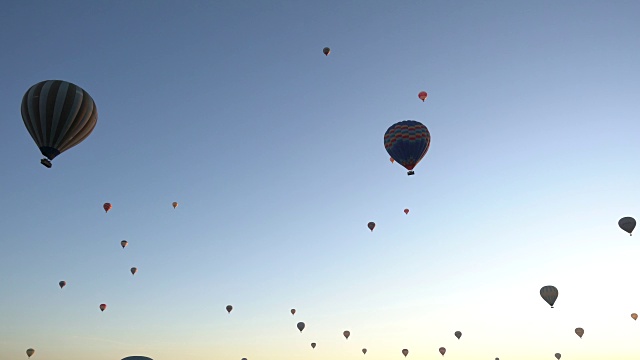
point(406, 211)
point(422, 95)
point(103, 307)
point(229, 308)
point(371, 225)
point(442, 351)
point(107, 207)
point(293, 311)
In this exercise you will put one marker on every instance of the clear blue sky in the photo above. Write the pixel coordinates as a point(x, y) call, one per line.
point(275, 154)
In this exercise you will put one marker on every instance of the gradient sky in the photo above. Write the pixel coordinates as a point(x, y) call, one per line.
point(275, 154)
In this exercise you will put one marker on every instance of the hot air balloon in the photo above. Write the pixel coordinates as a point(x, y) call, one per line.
point(549, 294)
point(405, 352)
point(627, 224)
point(634, 316)
point(580, 332)
point(442, 351)
point(58, 115)
point(364, 351)
point(371, 225)
point(346, 334)
point(62, 284)
point(229, 308)
point(107, 207)
point(300, 326)
point(103, 307)
point(137, 358)
point(406, 211)
point(407, 142)
point(558, 356)
point(326, 51)
point(458, 334)
point(134, 270)
point(124, 243)
point(30, 352)
point(244, 359)
point(175, 204)
point(293, 311)
point(313, 345)
point(422, 95)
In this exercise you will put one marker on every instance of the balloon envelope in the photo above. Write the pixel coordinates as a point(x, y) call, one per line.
point(30, 352)
point(58, 115)
point(62, 284)
point(371, 225)
point(405, 352)
point(229, 308)
point(103, 307)
point(406, 211)
point(422, 95)
point(346, 334)
point(124, 243)
point(137, 358)
point(313, 345)
point(134, 270)
point(326, 51)
point(107, 207)
point(293, 311)
point(634, 316)
point(558, 356)
point(364, 351)
point(407, 142)
point(175, 204)
point(627, 224)
point(458, 334)
point(580, 332)
point(300, 326)
point(549, 294)
point(442, 351)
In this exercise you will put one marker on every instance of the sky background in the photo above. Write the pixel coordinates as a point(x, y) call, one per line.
point(275, 154)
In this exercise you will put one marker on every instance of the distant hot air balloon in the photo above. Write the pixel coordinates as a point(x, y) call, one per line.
point(107, 207)
point(103, 307)
point(30, 352)
point(313, 345)
point(458, 334)
point(175, 204)
point(407, 142)
point(244, 358)
point(62, 284)
point(627, 224)
point(346, 334)
point(549, 294)
point(326, 51)
point(364, 351)
point(137, 358)
point(229, 308)
point(405, 352)
point(58, 115)
point(134, 270)
point(422, 95)
point(406, 211)
point(634, 316)
point(124, 243)
point(558, 356)
point(442, 351)
point(371, 225)
point(293, 311)
point(300, 326)
point(580, 332)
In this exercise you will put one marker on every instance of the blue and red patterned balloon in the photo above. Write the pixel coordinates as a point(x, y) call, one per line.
point(407, 142)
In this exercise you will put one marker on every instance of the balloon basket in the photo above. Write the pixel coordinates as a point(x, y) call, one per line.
point(46, 163)
point(410, 172)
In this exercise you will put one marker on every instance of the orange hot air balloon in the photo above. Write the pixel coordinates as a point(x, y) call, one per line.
point(634, 316)
point(391, 159)
point(107, 207)
point(405, 352)
point(442, 351)
point(124, 243)
point(422, 95)
point(229, 308)
point(103, 307)
point(62, 284)
point(406, 211)
point(326, 51)
point(175, 204)
point(346, 334)
point(371, 225)
point(293, 311)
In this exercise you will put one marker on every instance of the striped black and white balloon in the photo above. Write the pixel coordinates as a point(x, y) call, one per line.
point(58, 115)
